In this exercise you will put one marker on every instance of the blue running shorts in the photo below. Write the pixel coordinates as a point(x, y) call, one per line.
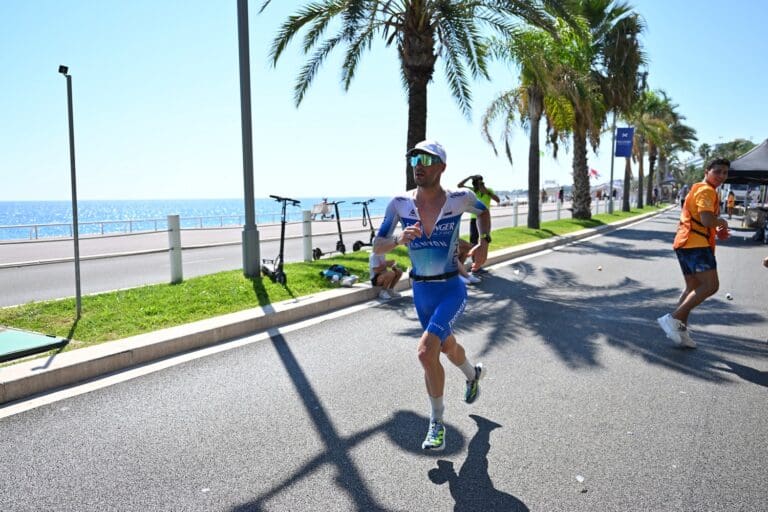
point(439, 304)
point(696, 260)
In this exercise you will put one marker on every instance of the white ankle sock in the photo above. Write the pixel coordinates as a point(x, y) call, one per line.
point(468, 369)
point(437, 408)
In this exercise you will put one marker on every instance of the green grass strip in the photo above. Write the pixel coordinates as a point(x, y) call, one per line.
point(120, 314)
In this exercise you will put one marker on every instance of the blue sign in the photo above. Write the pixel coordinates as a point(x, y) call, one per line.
point(624, 141)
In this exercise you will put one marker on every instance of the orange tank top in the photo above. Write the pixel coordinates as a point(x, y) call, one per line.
point(690, 231)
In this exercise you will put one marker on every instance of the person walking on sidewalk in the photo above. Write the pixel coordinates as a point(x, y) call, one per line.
point(700, 224)
point(484, 194)
point(730, 203)
point(430, 217)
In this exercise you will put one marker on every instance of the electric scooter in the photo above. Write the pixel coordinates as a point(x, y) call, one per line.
point(366, 222)
point(317, 253)
point(276, 273)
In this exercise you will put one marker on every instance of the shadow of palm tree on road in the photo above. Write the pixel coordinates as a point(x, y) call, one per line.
point(574, 319)
point(620, 246)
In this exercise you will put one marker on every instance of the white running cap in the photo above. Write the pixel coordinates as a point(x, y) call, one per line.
point(429, 146)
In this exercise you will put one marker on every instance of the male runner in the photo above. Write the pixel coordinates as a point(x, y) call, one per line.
point(430, 217)
point(700, 223)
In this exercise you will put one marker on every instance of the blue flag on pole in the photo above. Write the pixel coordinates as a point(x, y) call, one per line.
point(624, 141)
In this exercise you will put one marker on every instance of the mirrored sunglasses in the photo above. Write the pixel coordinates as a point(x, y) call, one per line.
point(424, 160)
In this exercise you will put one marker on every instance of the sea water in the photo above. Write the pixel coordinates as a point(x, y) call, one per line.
point(44, 219)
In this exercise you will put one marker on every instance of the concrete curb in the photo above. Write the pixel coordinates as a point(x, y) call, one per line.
point(23, 380)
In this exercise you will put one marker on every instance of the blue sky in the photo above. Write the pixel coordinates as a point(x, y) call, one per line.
point(157, 107)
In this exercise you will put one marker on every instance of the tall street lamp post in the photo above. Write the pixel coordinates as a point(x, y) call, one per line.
point(251, 255)
point(64, 70)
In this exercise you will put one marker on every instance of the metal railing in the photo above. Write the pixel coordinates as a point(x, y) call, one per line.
point(113, 227)
point(122, 227)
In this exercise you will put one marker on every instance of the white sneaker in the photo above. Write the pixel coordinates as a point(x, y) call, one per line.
point(687, 342)
point(384, 295)
point(394, 294)
point(348, 281)
point(673, 328)
point(463, 279)
point(473, 279)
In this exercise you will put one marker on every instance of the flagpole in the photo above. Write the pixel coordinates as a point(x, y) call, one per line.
point(613, 157)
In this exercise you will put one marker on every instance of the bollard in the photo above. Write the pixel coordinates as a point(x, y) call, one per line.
point(559, 205)
point(306, 218)
point(174, 242)
point(514, 213)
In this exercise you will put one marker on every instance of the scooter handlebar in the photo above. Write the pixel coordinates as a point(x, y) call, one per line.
point(295, 202)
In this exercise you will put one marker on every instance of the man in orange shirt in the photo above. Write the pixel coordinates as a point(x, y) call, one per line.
point(700, 224)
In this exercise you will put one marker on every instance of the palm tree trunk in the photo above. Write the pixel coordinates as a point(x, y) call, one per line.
point(417, 123)
point(535, 109)
point(661, 172)
point(627, 184)
point(651, 167)
point(582, 202)
point(417, 58)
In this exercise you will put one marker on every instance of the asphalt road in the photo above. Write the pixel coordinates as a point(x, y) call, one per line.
point(204, 252)
point(586, 406)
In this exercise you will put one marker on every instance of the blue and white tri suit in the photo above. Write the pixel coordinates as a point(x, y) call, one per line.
point(440, 301)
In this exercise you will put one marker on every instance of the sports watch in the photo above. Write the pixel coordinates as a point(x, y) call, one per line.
point(486, 237)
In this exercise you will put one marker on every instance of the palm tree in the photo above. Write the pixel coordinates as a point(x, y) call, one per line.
point(612, 56)
point(705, 152)
point(677, 137)
point(536, 53)
point(621, 84)
point(641, 85)
point(650, 130)
point(680, 140)
point(662, 109)
point(422, 31)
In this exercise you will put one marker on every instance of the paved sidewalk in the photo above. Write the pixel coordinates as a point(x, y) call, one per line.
point(16, 253)
point(29, 378)
point(30, 252)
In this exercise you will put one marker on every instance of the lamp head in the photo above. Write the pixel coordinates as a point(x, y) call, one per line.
point(63, 70)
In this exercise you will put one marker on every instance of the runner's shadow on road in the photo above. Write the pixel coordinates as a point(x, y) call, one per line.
point(747, 373)
point(400, 429)
point(472, 488)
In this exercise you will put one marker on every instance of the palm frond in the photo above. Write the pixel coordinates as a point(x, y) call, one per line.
point(504, 105)
point(293, 26)
point(362, 41)
point(316, 31)
point(456, 27)
point(308, 72)
point(457, 79)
